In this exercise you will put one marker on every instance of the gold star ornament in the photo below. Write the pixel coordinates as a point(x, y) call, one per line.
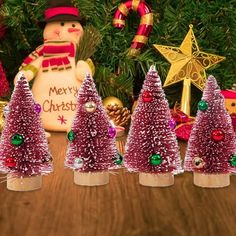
point(188, 64)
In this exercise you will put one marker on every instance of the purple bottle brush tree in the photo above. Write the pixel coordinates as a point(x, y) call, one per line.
point(211, 151)
point(91, 150)
point(24, 152)
point(152, 149)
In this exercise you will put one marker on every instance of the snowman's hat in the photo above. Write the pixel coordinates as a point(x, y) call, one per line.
point(62, 10)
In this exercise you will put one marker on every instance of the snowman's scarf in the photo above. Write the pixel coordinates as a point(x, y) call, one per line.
point(55, 55)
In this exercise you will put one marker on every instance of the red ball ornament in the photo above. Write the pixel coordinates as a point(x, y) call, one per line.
point(10, 162)
point(217, 135)
point(147, 96)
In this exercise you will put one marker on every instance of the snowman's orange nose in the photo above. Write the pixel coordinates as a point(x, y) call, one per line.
point(71, 30)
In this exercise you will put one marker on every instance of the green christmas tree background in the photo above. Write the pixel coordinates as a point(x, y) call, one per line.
point(117, 74)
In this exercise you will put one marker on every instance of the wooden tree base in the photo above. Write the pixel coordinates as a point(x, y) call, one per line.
point(48, 136)
point(156, 180)
point(23, 184)
point(211, 180)
point(91, 178)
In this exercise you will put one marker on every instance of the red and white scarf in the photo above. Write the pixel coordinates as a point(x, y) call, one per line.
point(55, 55)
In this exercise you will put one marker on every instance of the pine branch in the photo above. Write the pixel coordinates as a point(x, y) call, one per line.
point(89, 43)
point(214, 26)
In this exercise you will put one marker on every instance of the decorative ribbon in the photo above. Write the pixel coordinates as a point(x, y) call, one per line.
point(184, 123)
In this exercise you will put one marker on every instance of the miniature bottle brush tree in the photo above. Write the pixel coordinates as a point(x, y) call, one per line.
point(92, 149)
point(211, 151)
point(24, 152)
point(152, 148)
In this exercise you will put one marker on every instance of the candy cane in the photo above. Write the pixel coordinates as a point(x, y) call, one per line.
point(145, 26)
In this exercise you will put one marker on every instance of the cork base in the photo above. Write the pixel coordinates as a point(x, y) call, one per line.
point(91, 178)
point(24, 184)
point(211, 180)
point(156, 180)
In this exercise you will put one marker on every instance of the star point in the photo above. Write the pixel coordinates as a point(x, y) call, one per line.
point(187, 61)
point(188, 64)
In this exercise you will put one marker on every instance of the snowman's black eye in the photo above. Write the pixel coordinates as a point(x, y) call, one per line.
point(62, 23)
point(73, 25)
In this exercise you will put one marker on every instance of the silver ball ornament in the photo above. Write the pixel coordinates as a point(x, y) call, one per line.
point(78, 163)
point(198, 162)
point(90, 106)
point(6, 111)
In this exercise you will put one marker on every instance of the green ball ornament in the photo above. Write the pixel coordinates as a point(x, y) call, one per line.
point(233, 160)
point(71, 136)
point(118, 160)
point(17, 139)
point(202, 105)
point(155, 159)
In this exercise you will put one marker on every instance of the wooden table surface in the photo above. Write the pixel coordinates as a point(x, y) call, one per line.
point(122, 208)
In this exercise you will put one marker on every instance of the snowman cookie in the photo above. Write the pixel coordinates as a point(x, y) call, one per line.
point(57, 76)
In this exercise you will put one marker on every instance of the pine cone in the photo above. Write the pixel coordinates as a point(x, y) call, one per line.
point(119, 115)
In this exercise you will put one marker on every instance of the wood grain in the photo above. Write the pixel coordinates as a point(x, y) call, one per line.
point(122, 208)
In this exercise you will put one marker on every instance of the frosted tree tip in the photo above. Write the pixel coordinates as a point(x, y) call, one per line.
point(211, 87)
point(211, 77)
point(20, 76)
point(88, 75)
point(152, 68)
point(211, 81)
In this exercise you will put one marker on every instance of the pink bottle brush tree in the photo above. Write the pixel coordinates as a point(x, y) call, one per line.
point(211, 151)
point(24, 152)
point(91, 150)
point(152, 148)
